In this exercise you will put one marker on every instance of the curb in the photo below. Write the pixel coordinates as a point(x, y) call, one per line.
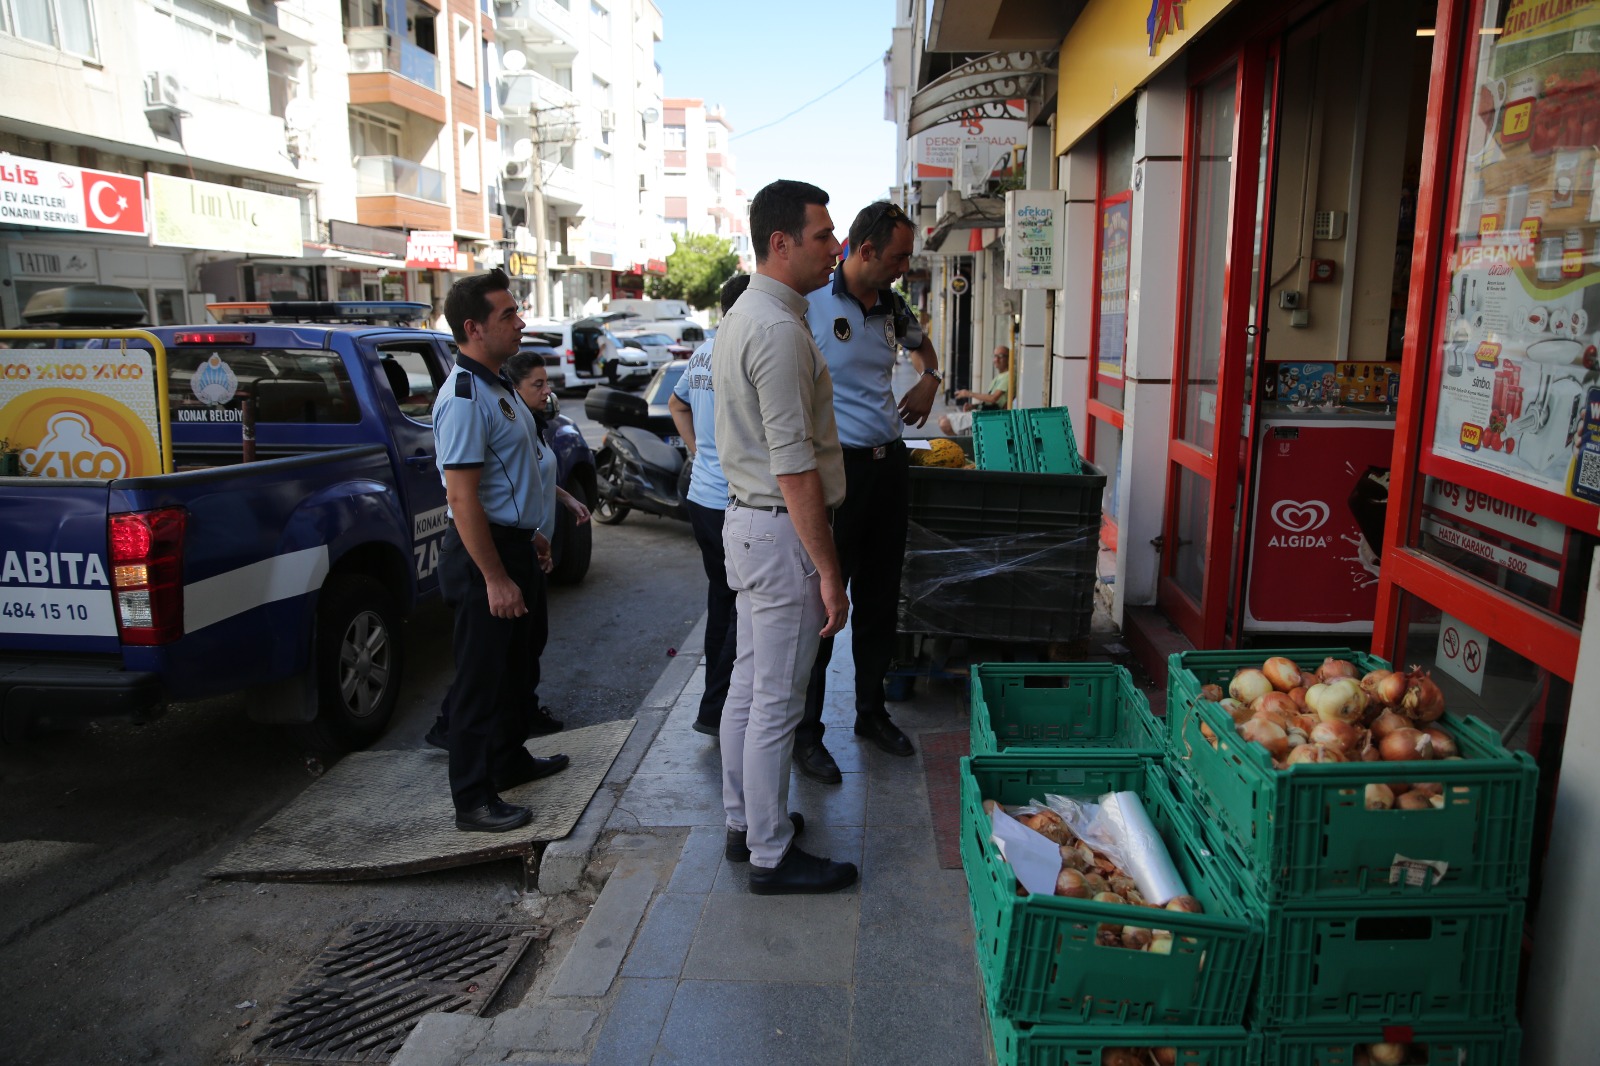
point(562, 865)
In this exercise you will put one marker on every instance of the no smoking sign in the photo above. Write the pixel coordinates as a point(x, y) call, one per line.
point(1461, 652)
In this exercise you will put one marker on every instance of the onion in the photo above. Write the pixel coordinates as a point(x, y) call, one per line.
point(1415, 801)
point(1429, 788)
point(990, 806)
point(1108, 897)
point(1208, 735)
point(1332, 669)
point(1236, 710)
point(1185, 904)
point(1444, 745)
point(1136, 937)
point(1212, 693)
point(1370, 752)
point(1387, 1054)
point(1160, 943)
point(1405, 745)
point(1269, 735)
point(1278, 703)
point(1122, 884)
point(1314, 753)
point(1423, 701)
point(1387, 723)
point(1072, 883)
point(1341, 736)
point(1305, 723)
point(1379, 797)
point(1165, 1056)
point(1339, 700)
point(1277, 718)
point(1298, 694)
point(1248, 685)
point(1399, 788)
point(1282, 672)
point(1096, 882)
point(1120, 1056)
point(1437, 802)
point(1385, 686)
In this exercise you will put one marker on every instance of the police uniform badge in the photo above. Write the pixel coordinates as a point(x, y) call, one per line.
point(841, 328)
point(889, 330)
point(505, 409)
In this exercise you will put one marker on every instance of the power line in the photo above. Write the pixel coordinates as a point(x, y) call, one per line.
point(870, 64)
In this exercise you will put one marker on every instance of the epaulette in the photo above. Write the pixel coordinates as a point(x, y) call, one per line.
point(464, 386)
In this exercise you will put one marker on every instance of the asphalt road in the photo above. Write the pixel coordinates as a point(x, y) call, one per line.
point(114, 946)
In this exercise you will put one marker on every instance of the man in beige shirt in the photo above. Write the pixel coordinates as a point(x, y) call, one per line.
point(780, 453)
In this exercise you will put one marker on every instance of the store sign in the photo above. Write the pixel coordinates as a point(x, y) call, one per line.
point(988, 147)
point(203, 214)
point(37, 192)
point(1116, 229)
point(431, 250)
point(1033, 239)
point(81, 415)
point(1494, 515)
point(522, 264)
point(1462, 652)
point(53, 262)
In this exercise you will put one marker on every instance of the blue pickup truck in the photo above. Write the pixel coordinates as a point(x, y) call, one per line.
point(286, 577)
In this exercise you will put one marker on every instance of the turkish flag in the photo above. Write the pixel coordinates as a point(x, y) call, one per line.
point(113, 202)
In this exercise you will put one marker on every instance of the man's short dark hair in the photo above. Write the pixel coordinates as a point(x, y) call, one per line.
point(875, 225)
point(781, 208)
point(732, 289)
point(468, 300)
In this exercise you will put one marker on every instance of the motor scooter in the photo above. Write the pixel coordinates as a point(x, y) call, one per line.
point(637, 468)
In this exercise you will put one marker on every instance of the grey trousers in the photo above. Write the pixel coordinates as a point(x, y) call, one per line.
point(780, 616)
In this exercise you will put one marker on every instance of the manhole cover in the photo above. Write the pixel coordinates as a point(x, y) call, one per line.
point(360, 998)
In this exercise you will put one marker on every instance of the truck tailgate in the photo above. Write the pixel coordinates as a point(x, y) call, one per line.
point(55, 583)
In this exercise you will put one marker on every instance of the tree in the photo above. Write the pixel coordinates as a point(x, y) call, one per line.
point(696, 269)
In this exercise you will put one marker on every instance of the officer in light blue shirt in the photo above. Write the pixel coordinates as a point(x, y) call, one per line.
point(692, 404)
point(859, 324)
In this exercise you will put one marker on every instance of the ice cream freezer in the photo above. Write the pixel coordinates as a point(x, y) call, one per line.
point(1321, 487)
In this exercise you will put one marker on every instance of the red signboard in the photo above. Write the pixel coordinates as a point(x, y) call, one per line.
point(431, 250)
point(37, 192)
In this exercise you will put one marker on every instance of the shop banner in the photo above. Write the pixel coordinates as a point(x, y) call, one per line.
point(1116, 229)
point(431, 250)
point(1522, 311)
point(990, 147)
point(80, 414)
point(1033, 239)
point(203, 214)
point(37, 192)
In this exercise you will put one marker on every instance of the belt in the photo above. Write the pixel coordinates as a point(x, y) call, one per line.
point(776, 508)
point(503, 532)
point(881, 451)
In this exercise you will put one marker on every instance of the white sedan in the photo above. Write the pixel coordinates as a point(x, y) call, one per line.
point(656, 346)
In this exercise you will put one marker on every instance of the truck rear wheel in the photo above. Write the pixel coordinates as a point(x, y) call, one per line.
point(358, 656)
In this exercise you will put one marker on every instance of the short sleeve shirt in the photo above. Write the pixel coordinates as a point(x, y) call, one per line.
point(860, 345)
point(479, 422)
point(707, 486)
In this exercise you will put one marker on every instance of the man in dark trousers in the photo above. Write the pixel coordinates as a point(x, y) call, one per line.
point(498, 538)
point(859, 324)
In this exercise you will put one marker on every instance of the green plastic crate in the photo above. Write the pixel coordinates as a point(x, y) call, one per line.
point(1000, 442)
point(1038, 955)
point(1447, 1045)
point(1061, 705)
point(1402, 963)
point(1082, 1045)
point(1187, 671)
point(1054, 445)
point(1305, 832)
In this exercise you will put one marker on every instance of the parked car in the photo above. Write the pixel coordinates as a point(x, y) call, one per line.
point(590, 352)
point(658, 346)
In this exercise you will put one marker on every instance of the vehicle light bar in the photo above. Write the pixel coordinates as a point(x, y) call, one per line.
point(214, 337)
point(319, 311)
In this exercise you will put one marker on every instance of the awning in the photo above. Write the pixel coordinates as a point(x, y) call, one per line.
point(980, 212)
point(981, 89)
point(332, 257)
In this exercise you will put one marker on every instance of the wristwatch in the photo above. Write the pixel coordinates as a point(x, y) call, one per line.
point(934, 374)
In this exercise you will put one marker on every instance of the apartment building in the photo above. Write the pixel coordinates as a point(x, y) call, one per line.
point(699, 179)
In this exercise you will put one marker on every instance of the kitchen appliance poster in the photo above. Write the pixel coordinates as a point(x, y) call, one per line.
point(1519, 346)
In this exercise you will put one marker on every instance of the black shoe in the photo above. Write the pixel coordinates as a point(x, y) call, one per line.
point(532, 771)
point(736, 850)
point(708, 728)
point(439, 735)
point(540, 723)
point(800, 872)
point(815, 762)
point(496, 817)
point(885, 734)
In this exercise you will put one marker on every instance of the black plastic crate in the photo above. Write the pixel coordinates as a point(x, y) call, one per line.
point(1018, 605)
point(965, 504)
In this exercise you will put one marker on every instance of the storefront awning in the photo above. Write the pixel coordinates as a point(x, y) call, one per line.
point(334, 257)
point(981, 89)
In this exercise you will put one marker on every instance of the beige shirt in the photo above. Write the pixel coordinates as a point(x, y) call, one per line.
point(774, 398)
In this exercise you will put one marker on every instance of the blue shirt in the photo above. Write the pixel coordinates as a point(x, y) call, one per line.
point(860, 347)
point(479, 422)
point(707, 486)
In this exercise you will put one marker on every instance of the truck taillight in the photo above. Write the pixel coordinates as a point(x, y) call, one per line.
point(147, 574)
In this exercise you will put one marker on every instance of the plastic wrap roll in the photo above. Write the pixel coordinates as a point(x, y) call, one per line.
point(1148, 862)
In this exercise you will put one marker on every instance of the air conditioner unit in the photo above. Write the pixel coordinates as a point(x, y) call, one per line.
point(608, 121)
point(366, 60)
point(516, 168)
point(161, 90)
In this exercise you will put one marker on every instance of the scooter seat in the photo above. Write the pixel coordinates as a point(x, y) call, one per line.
point(653, 451)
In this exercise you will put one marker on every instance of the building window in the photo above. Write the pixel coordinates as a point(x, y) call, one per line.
point(219, 50)
point(602, 166)
point(713, 138)
point(599, 20)
point(284, 74)
point(64, 24)
point(563, 77)
point(674, 138)
point(373, 134)
point(470, 169)
point(466, 56)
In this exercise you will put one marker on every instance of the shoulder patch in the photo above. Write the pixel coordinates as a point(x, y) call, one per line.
point(464, 386)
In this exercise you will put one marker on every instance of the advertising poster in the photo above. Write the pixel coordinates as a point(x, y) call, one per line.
point(202, 214)
point(1522, 321)
point(37, 192)
point(1116, 231)
point(994, 145)
point(1033, 239)
point(81, 415)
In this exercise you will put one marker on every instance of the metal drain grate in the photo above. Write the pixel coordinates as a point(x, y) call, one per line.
point(360, 998)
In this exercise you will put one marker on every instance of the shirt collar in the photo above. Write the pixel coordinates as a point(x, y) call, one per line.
point(474, 367)
point(787, 296)
point(885, 296)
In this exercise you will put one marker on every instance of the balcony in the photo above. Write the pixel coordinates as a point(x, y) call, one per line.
point(388, 70)
point(544, 27)
point(528, 95)
point(561, 186)
point(391, 191)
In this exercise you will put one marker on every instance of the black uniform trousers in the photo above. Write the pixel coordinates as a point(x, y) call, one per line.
point(497, 665)
point(722, 621)
point(869, 533)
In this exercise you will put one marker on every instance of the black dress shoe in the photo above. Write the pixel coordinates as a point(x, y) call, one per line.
point(439, 735)
point(496, 817)
point(534, 769)
point(815, 762)
point(710, 729)
point(885, 734)
point(541, 723)
point(738, 850)
point(800, 872)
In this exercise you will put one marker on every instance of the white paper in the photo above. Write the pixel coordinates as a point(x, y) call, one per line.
point(916, 444)
point(1034, 857)
point(1148, 862)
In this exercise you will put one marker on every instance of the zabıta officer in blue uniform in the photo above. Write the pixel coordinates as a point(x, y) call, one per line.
point(859, 323)
point(494, 554)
